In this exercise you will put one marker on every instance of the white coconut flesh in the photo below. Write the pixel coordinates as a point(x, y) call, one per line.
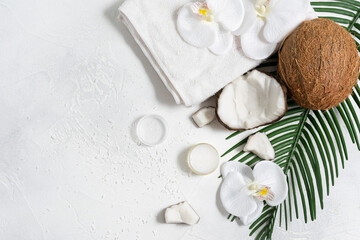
point(203, 159)
point(250, 101)
point(181, 213)
point(204, 116)
point(260, 145)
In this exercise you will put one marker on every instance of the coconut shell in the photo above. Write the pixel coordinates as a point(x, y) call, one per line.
point(319, 63)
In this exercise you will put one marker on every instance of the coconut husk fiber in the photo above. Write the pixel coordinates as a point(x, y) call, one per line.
point(319, 63)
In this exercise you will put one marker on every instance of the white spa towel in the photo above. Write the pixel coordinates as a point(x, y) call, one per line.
point(191, 74)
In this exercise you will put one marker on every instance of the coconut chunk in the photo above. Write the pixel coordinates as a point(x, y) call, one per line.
point(251, 101)
point(204, 116)
point(260, 145)
point(181, 213)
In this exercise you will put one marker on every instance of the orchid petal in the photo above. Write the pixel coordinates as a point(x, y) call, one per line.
point(242, 168)
point(223, 44)
point(284, 17)
point(195, 31)
point(246, 220)
point(235, 196)
point(270, 174)
point(249, 19)
point(228, 13)
point(253, 43)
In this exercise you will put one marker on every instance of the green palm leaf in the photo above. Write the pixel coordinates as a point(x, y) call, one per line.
point(309, 145)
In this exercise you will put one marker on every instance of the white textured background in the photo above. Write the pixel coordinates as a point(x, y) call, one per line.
point(73, 82)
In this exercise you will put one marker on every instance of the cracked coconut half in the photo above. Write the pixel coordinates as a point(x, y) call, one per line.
point(250, 101)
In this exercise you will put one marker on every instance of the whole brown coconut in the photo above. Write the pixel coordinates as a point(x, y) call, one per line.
point(319, 63)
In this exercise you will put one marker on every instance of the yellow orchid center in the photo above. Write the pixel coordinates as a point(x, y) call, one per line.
point(261, 192)
point(206, 14)
point(262, 7)
point(203, 12)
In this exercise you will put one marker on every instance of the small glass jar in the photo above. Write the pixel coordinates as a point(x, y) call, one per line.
point(151, 130)
point(203, 159)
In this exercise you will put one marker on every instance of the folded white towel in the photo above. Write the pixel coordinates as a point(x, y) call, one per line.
point(191, 74)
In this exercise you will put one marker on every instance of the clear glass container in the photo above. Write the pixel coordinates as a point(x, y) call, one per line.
point(151, 130)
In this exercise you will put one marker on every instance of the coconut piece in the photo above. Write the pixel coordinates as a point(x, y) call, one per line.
point(251, 101)
point(319, 64)
point(260, 145)
point(204, 116)
point(181, 213)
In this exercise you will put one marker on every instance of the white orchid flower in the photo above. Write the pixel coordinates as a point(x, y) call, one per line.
point(244, 190)
point(267, 22)
point(210, 23)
